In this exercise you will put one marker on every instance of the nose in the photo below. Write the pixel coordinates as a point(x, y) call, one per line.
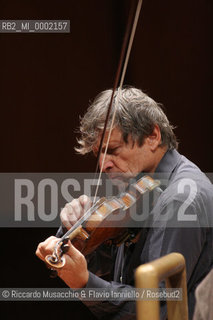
point(108, 164)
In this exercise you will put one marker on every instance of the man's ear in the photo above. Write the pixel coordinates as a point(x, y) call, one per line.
point(154, 139)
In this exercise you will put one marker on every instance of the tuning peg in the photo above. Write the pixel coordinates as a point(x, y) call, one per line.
point(65, 245)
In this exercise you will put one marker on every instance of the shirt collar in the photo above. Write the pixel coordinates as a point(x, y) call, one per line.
point(165, 167)
point(168, 163)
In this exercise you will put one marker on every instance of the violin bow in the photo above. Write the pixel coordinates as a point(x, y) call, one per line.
point(120, 74)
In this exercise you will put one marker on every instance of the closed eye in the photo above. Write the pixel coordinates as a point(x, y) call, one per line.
point(112, 150)
point(109, 151)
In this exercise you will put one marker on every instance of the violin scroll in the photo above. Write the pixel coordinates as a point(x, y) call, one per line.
point(56, 260)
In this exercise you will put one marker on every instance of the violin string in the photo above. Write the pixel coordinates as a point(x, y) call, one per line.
point(137, 13)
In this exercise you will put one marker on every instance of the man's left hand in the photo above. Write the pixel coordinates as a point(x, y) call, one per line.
point(74, 273)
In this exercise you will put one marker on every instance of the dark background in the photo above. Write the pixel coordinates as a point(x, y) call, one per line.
point(46, 81)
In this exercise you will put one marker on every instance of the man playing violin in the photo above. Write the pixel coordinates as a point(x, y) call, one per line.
point(142, 141)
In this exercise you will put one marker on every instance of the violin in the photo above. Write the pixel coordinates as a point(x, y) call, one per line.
point(96, 227)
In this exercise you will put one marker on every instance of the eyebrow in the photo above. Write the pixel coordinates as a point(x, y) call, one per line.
point(112, 145)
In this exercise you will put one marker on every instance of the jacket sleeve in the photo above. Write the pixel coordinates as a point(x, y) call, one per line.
point(117, 309)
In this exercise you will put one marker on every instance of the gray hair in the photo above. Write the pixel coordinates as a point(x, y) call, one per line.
point(136, 114)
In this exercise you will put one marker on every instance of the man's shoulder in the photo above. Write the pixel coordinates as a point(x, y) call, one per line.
point(188, 194)
point(186, 167)
point(174, 167)
point(189, 174)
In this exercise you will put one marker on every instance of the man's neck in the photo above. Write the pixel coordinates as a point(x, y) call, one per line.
point(160, 152)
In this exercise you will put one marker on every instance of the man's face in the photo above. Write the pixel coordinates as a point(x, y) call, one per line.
point(125, 160)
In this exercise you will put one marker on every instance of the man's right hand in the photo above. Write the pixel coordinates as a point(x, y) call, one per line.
point(74, 210)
